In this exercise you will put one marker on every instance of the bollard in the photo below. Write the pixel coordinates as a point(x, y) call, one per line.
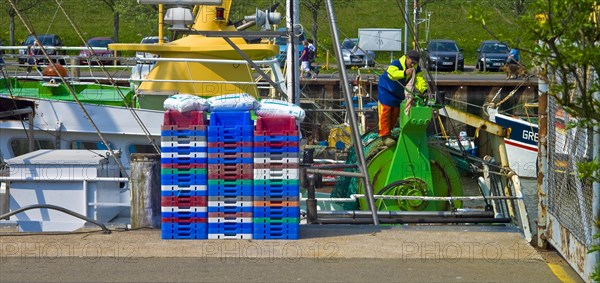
point(144, 182)
point(311, 201)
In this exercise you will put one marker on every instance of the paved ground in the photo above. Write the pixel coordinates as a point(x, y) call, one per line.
point(324, 253)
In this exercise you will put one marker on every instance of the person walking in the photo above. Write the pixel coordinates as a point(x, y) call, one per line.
point(401, 73)
point(312, 53)
point(305, 62)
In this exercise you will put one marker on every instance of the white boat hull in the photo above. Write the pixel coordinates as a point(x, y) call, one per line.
point(64, 124)
point(521, 146)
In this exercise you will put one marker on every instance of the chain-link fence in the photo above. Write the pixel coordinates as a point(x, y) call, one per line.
point(569, 198)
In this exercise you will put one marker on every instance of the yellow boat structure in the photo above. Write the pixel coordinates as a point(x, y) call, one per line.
point(203, 77)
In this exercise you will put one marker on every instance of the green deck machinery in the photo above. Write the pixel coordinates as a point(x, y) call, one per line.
point(413, 167)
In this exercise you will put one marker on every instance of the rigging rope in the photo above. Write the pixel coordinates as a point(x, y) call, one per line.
point(69, 87)
point(111, 80)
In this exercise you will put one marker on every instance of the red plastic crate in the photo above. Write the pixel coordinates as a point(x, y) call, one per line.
point(230, 171)
point(266, 126)
point(183, 165)
point(185, 119)
point(184, 220)
point(183, 201)
point(276, 144)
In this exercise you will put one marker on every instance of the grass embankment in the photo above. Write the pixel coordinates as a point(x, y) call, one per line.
point(449, 19)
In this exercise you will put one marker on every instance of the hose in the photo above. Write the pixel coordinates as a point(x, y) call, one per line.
point(62, 209)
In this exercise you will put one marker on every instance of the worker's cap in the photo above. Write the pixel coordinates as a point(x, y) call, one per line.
point(413, 55)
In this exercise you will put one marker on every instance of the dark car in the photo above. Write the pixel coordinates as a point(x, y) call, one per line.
point(149, 40)
point(444, 54)
point(491, 55)
point(99, 46)
point(34, 54)
point(356, 56)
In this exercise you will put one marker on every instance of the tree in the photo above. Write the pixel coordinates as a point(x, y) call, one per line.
point(313, 7)
point(22, 6)
point(567, 37)
point(112, 5)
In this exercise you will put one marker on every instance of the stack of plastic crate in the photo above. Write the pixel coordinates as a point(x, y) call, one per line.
point(183, 175)
point(276, 178)
point(230, 160)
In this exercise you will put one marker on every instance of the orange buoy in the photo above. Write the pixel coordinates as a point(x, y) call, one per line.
point(51, 72)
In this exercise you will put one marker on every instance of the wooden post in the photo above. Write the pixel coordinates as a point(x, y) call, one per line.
point(144, 182)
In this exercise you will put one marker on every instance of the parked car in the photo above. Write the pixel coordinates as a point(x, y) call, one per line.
point(491, 55)
point(46, 40)
point(95, 43)
point(444, 54)
point(149, 40)
point(282, 42)
point(356, 56)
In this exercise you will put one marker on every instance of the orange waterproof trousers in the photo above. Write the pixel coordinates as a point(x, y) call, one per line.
point(388, 116)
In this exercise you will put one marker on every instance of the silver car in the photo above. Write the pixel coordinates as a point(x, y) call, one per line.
point(354, 55)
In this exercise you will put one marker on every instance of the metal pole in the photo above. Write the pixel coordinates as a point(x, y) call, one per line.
point(292, 75)
point(405, 27)
point(31, 137)
point(542, 180)
point(349, 106)
point(160, 24)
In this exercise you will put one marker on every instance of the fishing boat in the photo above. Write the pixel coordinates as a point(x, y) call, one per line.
point(420, 183)
point(521, 145)
point(71, 112)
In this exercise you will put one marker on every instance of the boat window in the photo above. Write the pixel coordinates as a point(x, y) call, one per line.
point(141, 148)
point(21, 146)
point(89, 145)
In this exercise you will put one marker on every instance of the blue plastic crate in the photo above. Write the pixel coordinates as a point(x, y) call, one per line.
point(226, 118)
point(230, 228)
point(181, 176)
point(184, 230)
point(276, 191)
point(183, 150)
point(231, 160)
point(183, 133)
point(230, 138)
point(183, 182)
point(275, 138)
point(268, 228)
point(231, 149)
point(184, 215)
point(276, 149)
point(184, 160)
point(222, 191)
point(276, 212)
point(230, 208)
